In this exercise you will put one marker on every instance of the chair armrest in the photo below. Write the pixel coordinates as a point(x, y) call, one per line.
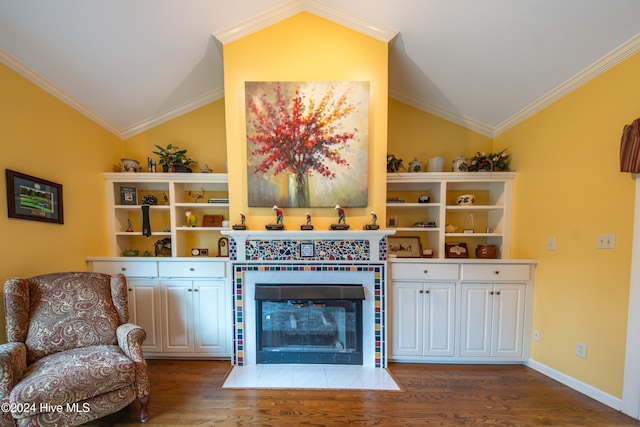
point(13, 364)
point(130, 339)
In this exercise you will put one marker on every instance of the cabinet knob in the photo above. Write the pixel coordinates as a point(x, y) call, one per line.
point(427, 291)
point(497, 292)
point(124, 269)
point(192, 269)
point(426, 271)
point(195, 290)
point(189, 290)
point(421, 291)
point(490, 292)
point(497, 271)
point(130, 290)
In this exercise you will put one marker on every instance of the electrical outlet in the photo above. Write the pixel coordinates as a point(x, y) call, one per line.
point(551, 243)
point(581, 350)
point(536, 334)
point(606, 241)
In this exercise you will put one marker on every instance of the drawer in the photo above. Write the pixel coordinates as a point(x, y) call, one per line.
point(496, 272)
point(424, 271)
point(191, 269)
point(128, 268)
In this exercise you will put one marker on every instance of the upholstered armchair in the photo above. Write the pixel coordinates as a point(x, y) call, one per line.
point(71, 355)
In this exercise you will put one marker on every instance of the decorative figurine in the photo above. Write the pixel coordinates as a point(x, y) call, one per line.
point(205, 169)
point(341, 225)
point(242, 225)
point(129, 227)
point(192, 220)
point(278, 225)
point(307, 225)
point(165, 199)
point(372, 225)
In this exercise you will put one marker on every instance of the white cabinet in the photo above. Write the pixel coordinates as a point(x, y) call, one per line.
point(492, 320)
point(195, 319)
point(176, 194)
point(423, 319)
point(184, 305)
point(487, 221)
point(460, 311)
point(144, 311)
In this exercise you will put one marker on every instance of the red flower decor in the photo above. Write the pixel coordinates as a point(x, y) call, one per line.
point(297, 137)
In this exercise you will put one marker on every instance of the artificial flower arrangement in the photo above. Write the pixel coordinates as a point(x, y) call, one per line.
point(394, 164)
point(490, 161)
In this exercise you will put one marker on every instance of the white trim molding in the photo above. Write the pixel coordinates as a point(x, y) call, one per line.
point(631, 384)
point(316, 7)
point(577, 385)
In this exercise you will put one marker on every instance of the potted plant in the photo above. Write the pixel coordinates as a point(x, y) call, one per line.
point(394, 164)
point(173, 159)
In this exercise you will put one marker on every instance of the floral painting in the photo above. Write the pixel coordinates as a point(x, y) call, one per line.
point(307, 143)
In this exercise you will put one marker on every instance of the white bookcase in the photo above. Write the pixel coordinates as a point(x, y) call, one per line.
point(487, 221)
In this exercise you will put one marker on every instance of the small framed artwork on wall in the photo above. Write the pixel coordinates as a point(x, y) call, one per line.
point(33, 198)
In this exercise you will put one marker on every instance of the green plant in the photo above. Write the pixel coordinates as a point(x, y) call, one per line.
point(490, 161)
point(394, 164)
point(173, 156)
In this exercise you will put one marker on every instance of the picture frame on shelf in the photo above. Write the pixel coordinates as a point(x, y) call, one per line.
point(404, 246)
point(34, 199)
point(456, 250)
point(128, 196)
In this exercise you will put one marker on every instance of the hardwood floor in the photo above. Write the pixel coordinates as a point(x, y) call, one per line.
point(188, 393)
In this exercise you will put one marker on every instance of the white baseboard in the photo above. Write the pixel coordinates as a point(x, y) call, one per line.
point(583, 388)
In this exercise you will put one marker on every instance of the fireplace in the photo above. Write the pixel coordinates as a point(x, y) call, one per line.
point(308, 261)
point(313, 324)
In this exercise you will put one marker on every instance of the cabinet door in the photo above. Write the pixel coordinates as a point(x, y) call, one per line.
point(407, 313)
point(211, 317)
point(475, 319)
point(177, 306)
point(438, 321)
point(508, 319)
point(144, 311)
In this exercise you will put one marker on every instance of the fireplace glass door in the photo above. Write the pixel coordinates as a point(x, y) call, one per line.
point(313, 324)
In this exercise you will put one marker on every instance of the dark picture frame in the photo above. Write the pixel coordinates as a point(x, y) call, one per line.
point(456, 250)
point(404, 246)
point(32, 198)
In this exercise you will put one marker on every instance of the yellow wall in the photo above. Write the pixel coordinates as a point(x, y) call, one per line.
point(305, 48)
point(43, 137)
point(569, 187)
point(417, 134)
point(201, 132)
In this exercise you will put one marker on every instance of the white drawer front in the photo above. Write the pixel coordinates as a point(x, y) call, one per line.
point(496, 272)
point(128, 268)
point(191, 269)
point(424, 271)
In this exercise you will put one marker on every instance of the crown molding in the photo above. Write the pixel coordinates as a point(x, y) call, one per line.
point(456, 118)
point(610, 60)
point(144, 125)
point(44, 84)
point(315, 7)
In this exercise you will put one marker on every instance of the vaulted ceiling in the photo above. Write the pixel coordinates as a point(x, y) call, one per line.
point(486, 65)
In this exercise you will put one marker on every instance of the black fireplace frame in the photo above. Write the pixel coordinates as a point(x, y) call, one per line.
point(316, 295)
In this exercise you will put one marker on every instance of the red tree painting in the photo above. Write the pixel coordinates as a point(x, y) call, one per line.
point(293, 130)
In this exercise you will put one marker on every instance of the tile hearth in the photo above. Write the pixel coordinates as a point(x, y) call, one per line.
point(310, 377)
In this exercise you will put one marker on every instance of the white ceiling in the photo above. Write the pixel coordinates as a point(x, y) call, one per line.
point(485, 64)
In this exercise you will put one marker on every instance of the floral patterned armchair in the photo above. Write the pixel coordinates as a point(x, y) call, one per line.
point(71, 355)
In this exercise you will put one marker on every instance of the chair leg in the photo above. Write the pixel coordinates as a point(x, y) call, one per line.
point(144, 408)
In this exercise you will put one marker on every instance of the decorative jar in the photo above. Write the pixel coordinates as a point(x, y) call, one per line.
point(486, 251)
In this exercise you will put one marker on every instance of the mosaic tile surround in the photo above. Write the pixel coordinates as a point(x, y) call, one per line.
point(307, 250)
point(379, 292)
